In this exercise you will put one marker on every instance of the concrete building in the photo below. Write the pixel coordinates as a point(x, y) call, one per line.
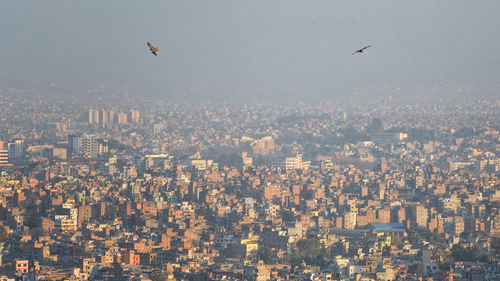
point(16, 149)
point(263, 146)
point(420, 215)
point(74, 145)
point(4, 154)
point(134, 116)
point(90, 146)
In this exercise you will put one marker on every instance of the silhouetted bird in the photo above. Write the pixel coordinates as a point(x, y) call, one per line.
point(153, 49)
point(362, 49)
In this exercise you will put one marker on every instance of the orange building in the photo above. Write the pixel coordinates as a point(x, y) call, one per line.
point(22, 266)
point(131, 258)
point(271, 191)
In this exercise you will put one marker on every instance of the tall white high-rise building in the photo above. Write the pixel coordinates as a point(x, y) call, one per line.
point(79, 144)
point(90, 146)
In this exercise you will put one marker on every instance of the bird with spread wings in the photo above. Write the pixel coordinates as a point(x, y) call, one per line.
point(153, 49)
point(362, 49)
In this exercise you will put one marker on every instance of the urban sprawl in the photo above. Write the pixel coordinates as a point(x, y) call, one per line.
point(136, 189)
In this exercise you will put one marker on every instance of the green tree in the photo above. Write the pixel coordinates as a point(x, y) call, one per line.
point(276, 200)
point(311, 252)
point(267, 255)
point(309, 248)
point(3, 234)
point(420, 134)
point(495, 243)
point(396, 240)
point(417, 268)
point(158, 275)
point(465, 133)
point(351, 135)
point(37, 232)
point(473, 253)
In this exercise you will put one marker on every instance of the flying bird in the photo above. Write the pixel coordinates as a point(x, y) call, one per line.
point(153, 49)
point(362, 49)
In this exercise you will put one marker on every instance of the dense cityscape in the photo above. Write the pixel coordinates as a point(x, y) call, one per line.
point(111, 187)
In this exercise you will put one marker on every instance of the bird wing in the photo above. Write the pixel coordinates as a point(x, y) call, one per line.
point(366, 47)
point(152, 48)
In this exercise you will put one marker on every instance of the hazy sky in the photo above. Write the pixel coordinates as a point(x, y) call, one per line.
point(270, 46)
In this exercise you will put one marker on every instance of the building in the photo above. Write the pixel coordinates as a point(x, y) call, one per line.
point(122, 118)
point(388, 137)
point(22, 266)
point(111, 117)
point(130, 258)
point(134, 116)
point(90, 118)
point(292, 163)
point(201, 164)
point(458, 225)
point(455, 165)
point(103, 117)
point(90, 146)
point(247, 161)
point(263, 146)
point(386, 227)
point(420, 215)
point(4, 154)
point(16, 149)
point(93, 116)
point(350, 220)
point(74, 145)
point(65, 224)
point(79, 144)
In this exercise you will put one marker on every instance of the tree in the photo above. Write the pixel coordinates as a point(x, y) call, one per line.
point(495, 243)
point(158, 275)
point(473, 253)
point(465, 132)
point(3, 234)
point(276, 200)
point(417, 268)
point(311, 252)
point(396, 240)
point(351, 135)
point(420, 135)
point(267, 255)
point(37, 232)
point(309, 247)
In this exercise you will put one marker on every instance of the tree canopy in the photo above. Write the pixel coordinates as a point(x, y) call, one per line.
point(158, 275)
point(417, 268)
point(472, 253)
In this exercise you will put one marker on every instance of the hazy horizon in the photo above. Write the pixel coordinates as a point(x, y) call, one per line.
point(235, 48)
